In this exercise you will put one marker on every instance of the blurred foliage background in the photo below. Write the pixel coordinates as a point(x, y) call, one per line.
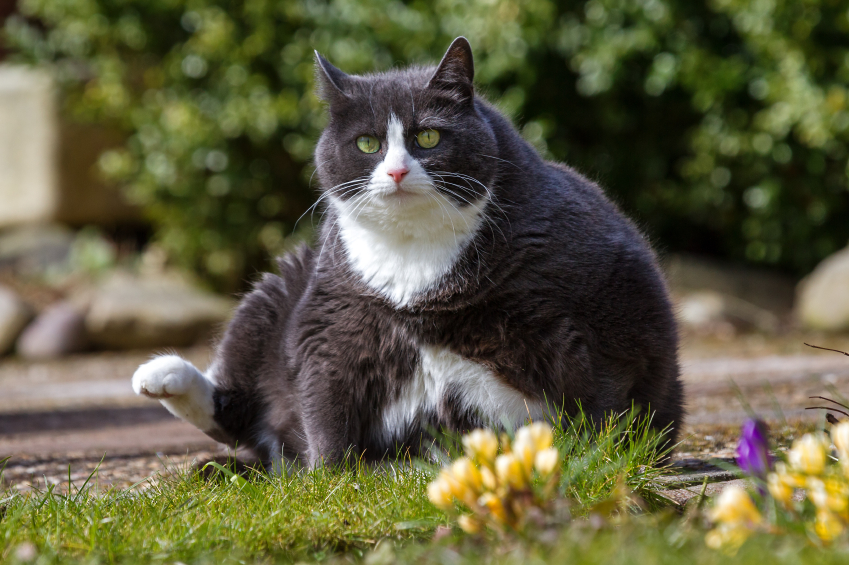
point(721, 126)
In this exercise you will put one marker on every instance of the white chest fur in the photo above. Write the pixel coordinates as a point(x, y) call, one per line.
point(476, 387)
point(397, 266)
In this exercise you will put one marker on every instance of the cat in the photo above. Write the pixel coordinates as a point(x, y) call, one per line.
point(458, 280)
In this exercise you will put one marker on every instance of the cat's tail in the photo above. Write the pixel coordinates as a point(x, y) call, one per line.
point(182, 389)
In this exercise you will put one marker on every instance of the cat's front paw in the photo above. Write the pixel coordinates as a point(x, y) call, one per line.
point(164, 377)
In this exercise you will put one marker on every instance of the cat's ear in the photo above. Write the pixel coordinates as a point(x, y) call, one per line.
point(456, 70)
point(332, 83)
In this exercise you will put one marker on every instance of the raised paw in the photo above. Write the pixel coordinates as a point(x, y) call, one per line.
point(165, 377)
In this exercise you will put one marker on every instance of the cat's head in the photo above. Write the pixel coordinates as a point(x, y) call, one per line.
point(406, 150)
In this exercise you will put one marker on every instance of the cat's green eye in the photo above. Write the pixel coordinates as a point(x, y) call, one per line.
point(368, 144)
point(427, 138)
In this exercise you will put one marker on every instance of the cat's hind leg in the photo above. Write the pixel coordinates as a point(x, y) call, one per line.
point(181, 388)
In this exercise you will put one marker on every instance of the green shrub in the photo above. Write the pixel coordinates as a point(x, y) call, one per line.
point(721, 125)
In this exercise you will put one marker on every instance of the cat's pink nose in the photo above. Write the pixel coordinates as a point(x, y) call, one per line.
point(398, 174)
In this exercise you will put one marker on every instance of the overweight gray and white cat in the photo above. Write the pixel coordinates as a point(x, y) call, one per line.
point(459, 280)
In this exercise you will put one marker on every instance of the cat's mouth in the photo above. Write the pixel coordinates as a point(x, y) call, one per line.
point(399, 192)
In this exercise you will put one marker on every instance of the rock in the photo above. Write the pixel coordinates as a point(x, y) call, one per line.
point(762, 288)
point(131, 312)
point(29, 136)
point(32, 249)
point(14, 316)
point(58, 331)
point(713, 312)
point(823, 296)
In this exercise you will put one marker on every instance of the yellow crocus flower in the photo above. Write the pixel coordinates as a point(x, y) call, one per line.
point(828, 526)
point(546, 461)
point(537, 435)
point(780, 489)
point(467, 473)
point(495, 507)
point(439, 493)
point(808, 454)
point(735, 506)
point(469, 524)
point(482, 446)
point(840, 437)
point(509, 471)
point(727, 537)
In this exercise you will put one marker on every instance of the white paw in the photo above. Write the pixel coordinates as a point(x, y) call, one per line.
point(180, 387)
point(165, 377)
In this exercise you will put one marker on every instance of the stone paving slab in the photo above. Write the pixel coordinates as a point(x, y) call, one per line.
point(171, 434)
point(104, 380)
point(89, 380)
point(682, 496)
point(76, 410)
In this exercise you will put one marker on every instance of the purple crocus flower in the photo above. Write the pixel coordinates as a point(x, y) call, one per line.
point(753, 450)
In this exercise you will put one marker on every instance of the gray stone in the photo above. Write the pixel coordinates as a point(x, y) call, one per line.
point(132, 312)
point(682, 496)
point(764, 289)
point(32, 249)
point(823, 296)
point(58, 331)
point(28, 146)
point(713, 312)
point(14, 316)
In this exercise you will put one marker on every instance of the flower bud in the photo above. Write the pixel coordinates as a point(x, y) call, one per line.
point(546, 461)
point(466, 473)
point(439, 493)
point(753, 449)
point(454, 486)
point(808, 454)
point(509, 471)
point(468, 524)
point(840, 437)
point(524, 453)
point(495, 506)
point(488, 479)
point(481, 445)
point(817, 494)
point(830, 495)
point(727, 537)
point(735, 506)
point(838, 495)
point(537, 435)
point(828, 526)
point(779, 487)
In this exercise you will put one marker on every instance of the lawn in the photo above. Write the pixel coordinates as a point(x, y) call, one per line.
point(376, 514)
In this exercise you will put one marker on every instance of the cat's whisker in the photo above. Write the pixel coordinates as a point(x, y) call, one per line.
point(500, 159)
point(468, 226)
point(492, 197)
point(329, 192)
point(444, 211)
point(361, 201)
point(489, 220)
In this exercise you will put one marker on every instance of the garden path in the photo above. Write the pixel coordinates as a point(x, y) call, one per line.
point(56, 415)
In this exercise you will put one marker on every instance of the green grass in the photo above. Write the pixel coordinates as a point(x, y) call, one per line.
point(380, 514)
point(646, 540)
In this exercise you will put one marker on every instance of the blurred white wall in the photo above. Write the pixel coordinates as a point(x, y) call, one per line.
point(29, 133)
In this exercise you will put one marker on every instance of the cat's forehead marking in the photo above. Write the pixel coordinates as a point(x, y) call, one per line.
point(394, 132)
